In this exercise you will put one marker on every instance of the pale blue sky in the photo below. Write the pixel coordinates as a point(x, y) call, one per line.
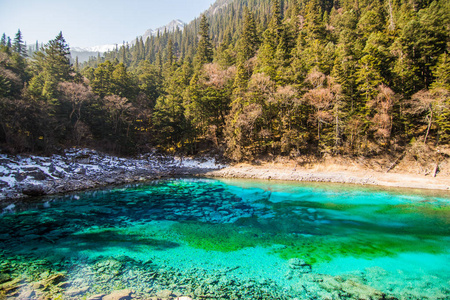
point(92, 22)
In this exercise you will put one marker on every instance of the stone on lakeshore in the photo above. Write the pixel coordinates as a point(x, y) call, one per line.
point(38, 174)
point(110, 180)
point(33, 190)
point(119, 295)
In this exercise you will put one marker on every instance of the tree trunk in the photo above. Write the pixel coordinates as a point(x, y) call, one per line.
point(429, 126)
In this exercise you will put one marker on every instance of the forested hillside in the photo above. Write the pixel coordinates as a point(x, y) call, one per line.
point(247, 78)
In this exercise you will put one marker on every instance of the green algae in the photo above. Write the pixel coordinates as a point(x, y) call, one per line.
point(314, 249)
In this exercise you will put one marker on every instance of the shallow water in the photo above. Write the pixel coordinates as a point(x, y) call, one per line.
point(187, 234)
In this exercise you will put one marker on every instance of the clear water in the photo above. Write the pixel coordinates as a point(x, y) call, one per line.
point(231, 239)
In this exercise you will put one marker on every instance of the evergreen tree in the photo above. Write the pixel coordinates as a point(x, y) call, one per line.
point(170, 55)
point(19, 46)
point(51, 66)
point(249, 39)
point(272, 43)
point(205, 49)
point(3, 40)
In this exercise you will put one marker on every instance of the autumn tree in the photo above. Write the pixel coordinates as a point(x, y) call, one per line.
point(76, 97)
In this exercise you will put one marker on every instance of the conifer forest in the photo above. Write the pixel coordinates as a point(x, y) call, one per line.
point(248, 78)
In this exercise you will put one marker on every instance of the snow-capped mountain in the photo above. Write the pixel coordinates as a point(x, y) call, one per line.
point(171, 27)
point(101, 48)
point(83, 54)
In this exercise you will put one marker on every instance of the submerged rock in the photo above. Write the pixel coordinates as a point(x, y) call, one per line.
point(119, 295)
point(96, 297)
point(299, 265)
point(77, 291)
point(351, 289)
point(164, 294)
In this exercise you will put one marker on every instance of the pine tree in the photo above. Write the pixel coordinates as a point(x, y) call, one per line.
point(51, 66)
point(170, 55)
point(272, 43)
point(18, 45)
point(249, 39)
point(205, 49)
point(442, 73)
point(3, 40)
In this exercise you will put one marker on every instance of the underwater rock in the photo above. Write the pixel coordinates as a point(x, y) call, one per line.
point(11, 286)
point(4, 278)
point(27, 294)
point(350, 288)
point(119, 295)
point(54, 279)
point(96, 297)
point(37, 285)
point(77, 291)
point(299, 265)
point(4, 237)
point(164, 294)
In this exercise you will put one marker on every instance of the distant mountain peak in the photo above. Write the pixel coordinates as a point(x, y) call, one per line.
point(84, 53)
point(171, 27)
point(100, 48)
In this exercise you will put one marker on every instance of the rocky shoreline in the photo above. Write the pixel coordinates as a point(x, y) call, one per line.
point(81, 169)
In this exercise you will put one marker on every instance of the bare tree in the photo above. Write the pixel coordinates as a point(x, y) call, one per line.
point(383, 105)
point(117, 107)
point(431, 104)
point(77, 95)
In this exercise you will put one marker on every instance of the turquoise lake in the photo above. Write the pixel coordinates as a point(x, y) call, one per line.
point(229, 239)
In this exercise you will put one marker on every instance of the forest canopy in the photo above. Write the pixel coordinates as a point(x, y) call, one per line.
point(247, 78)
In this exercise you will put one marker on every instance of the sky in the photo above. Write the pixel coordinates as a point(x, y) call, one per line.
point(86, 23)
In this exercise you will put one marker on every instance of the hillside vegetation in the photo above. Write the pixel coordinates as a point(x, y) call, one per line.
point(246, 79)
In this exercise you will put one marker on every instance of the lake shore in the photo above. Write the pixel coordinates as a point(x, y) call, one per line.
point(81, 169)
point(332, 174)
point(23, 176)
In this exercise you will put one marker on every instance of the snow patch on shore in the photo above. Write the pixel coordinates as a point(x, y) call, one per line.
point(85, 168)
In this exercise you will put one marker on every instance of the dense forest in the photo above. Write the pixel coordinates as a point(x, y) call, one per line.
point(248, 78)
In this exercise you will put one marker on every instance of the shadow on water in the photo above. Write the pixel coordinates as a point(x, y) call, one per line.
point(99, 240)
